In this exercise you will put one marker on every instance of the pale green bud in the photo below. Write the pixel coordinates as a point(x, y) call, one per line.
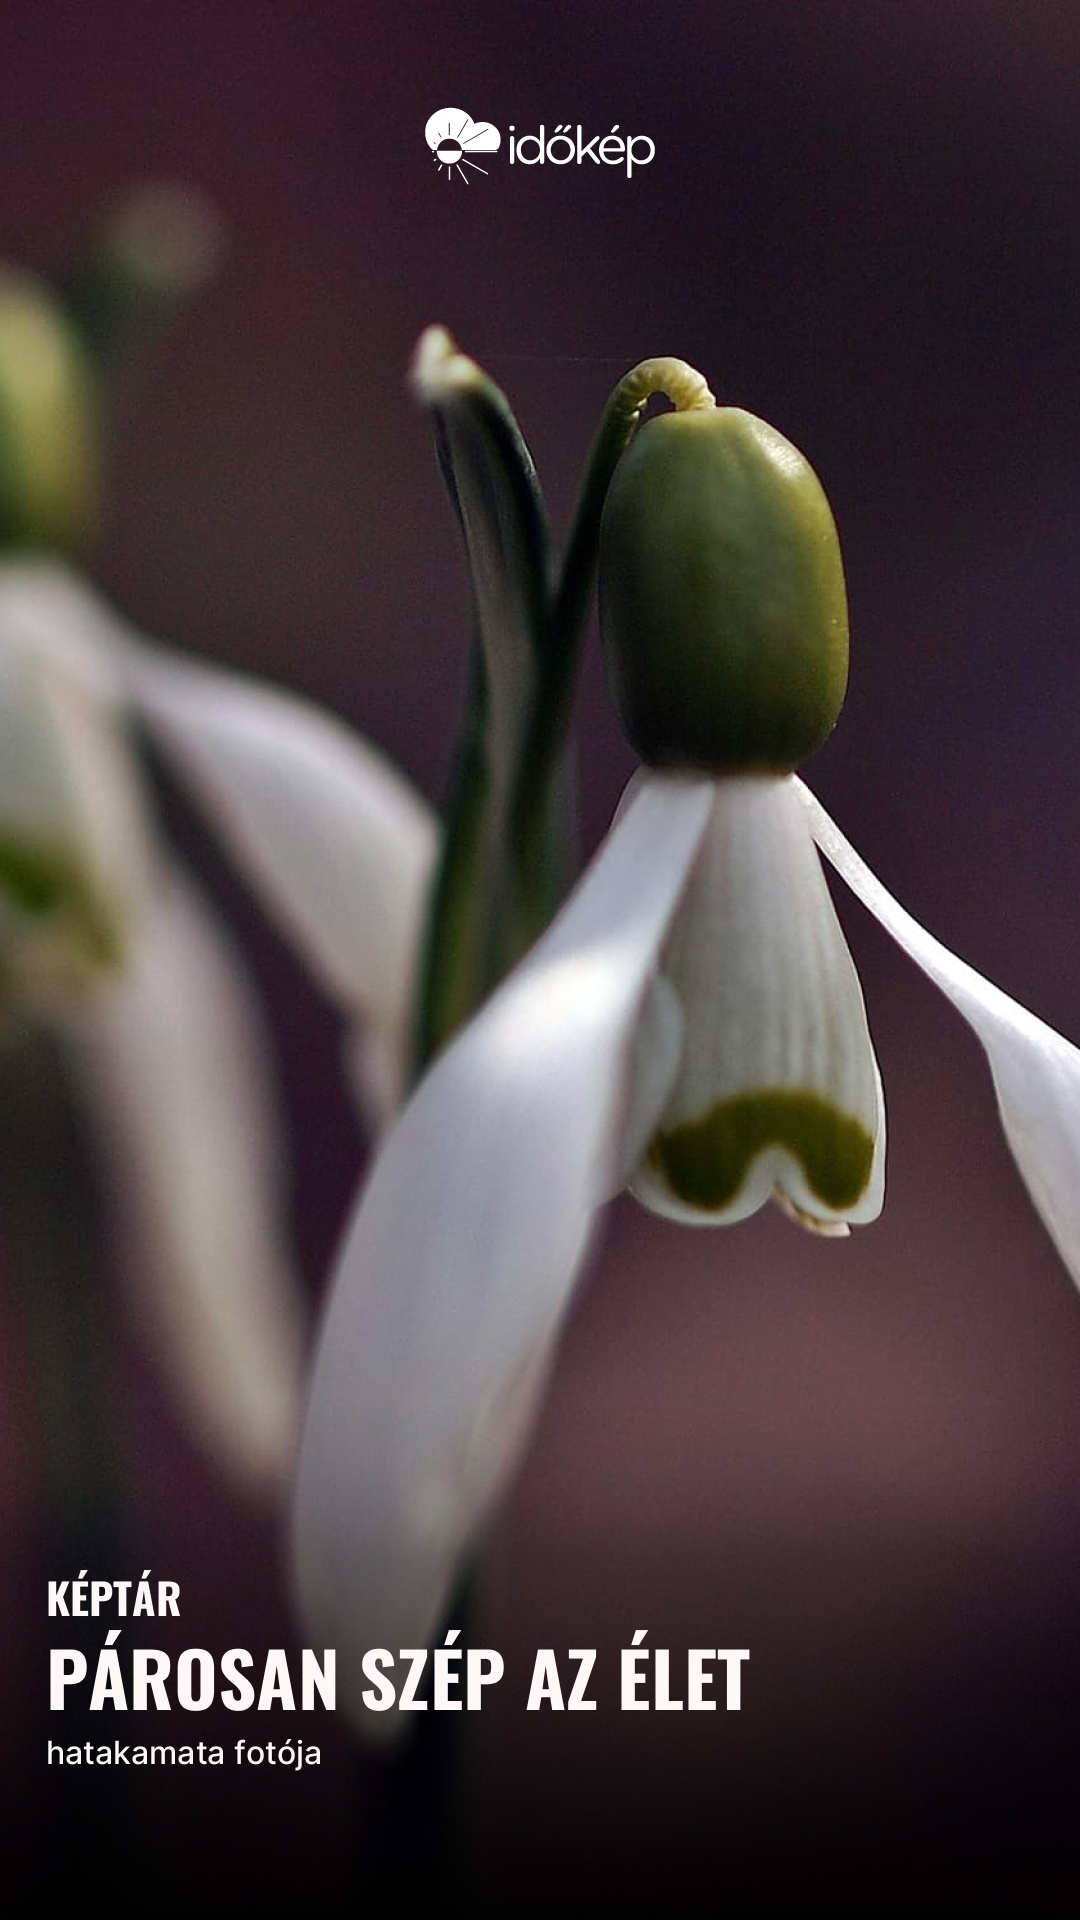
point(722, 603)
point(49, 452)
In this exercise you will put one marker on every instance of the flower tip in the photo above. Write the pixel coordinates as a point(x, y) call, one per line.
point(438, 369)
point(814, 1223)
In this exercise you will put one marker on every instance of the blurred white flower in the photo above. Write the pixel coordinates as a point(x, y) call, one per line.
point(334, 840)
point(691, 1021)
point(101, 934)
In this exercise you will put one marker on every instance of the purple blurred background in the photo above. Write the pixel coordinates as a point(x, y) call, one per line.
point(861, 1462)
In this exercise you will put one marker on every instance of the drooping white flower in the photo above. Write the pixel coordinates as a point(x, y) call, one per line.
point(691, 1024)
point(103, 936)
point(467, 1242)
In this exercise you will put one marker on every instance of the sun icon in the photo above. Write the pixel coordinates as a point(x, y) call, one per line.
point(453, 135)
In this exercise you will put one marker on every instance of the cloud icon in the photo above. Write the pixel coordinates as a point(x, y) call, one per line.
point(454, 136)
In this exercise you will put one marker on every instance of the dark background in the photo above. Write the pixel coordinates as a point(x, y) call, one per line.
point(862, 1462)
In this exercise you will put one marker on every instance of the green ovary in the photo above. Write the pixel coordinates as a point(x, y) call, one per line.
point(705, 1161)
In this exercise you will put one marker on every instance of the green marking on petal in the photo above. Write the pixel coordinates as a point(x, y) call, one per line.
point(704, 1162)
point(44, 883)
point(30, 879)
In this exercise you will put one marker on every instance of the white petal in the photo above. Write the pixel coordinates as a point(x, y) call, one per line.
point(1036, 1072)
point(339, 842)
point(654, 1064)
point(51, 613)
point(172, 1061)
point(463, 1254)
point(74, 820)
point(778, 1092)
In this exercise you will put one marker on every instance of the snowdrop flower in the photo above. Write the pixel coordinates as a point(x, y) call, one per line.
point(103, 936)
point(691, 1023)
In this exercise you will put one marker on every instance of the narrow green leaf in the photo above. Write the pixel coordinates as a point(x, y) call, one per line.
point(505, 866)
point(489, 900)
point(491, 479)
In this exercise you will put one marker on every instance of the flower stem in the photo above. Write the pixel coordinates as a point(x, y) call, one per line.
point(47, 1201)
point(417, 1800)
point(52, 1262)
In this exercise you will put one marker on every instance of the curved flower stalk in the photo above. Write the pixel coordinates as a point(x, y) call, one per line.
point(691, 1025)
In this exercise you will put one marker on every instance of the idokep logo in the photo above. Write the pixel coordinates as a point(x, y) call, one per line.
point(453, 136)
point(568, 144)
